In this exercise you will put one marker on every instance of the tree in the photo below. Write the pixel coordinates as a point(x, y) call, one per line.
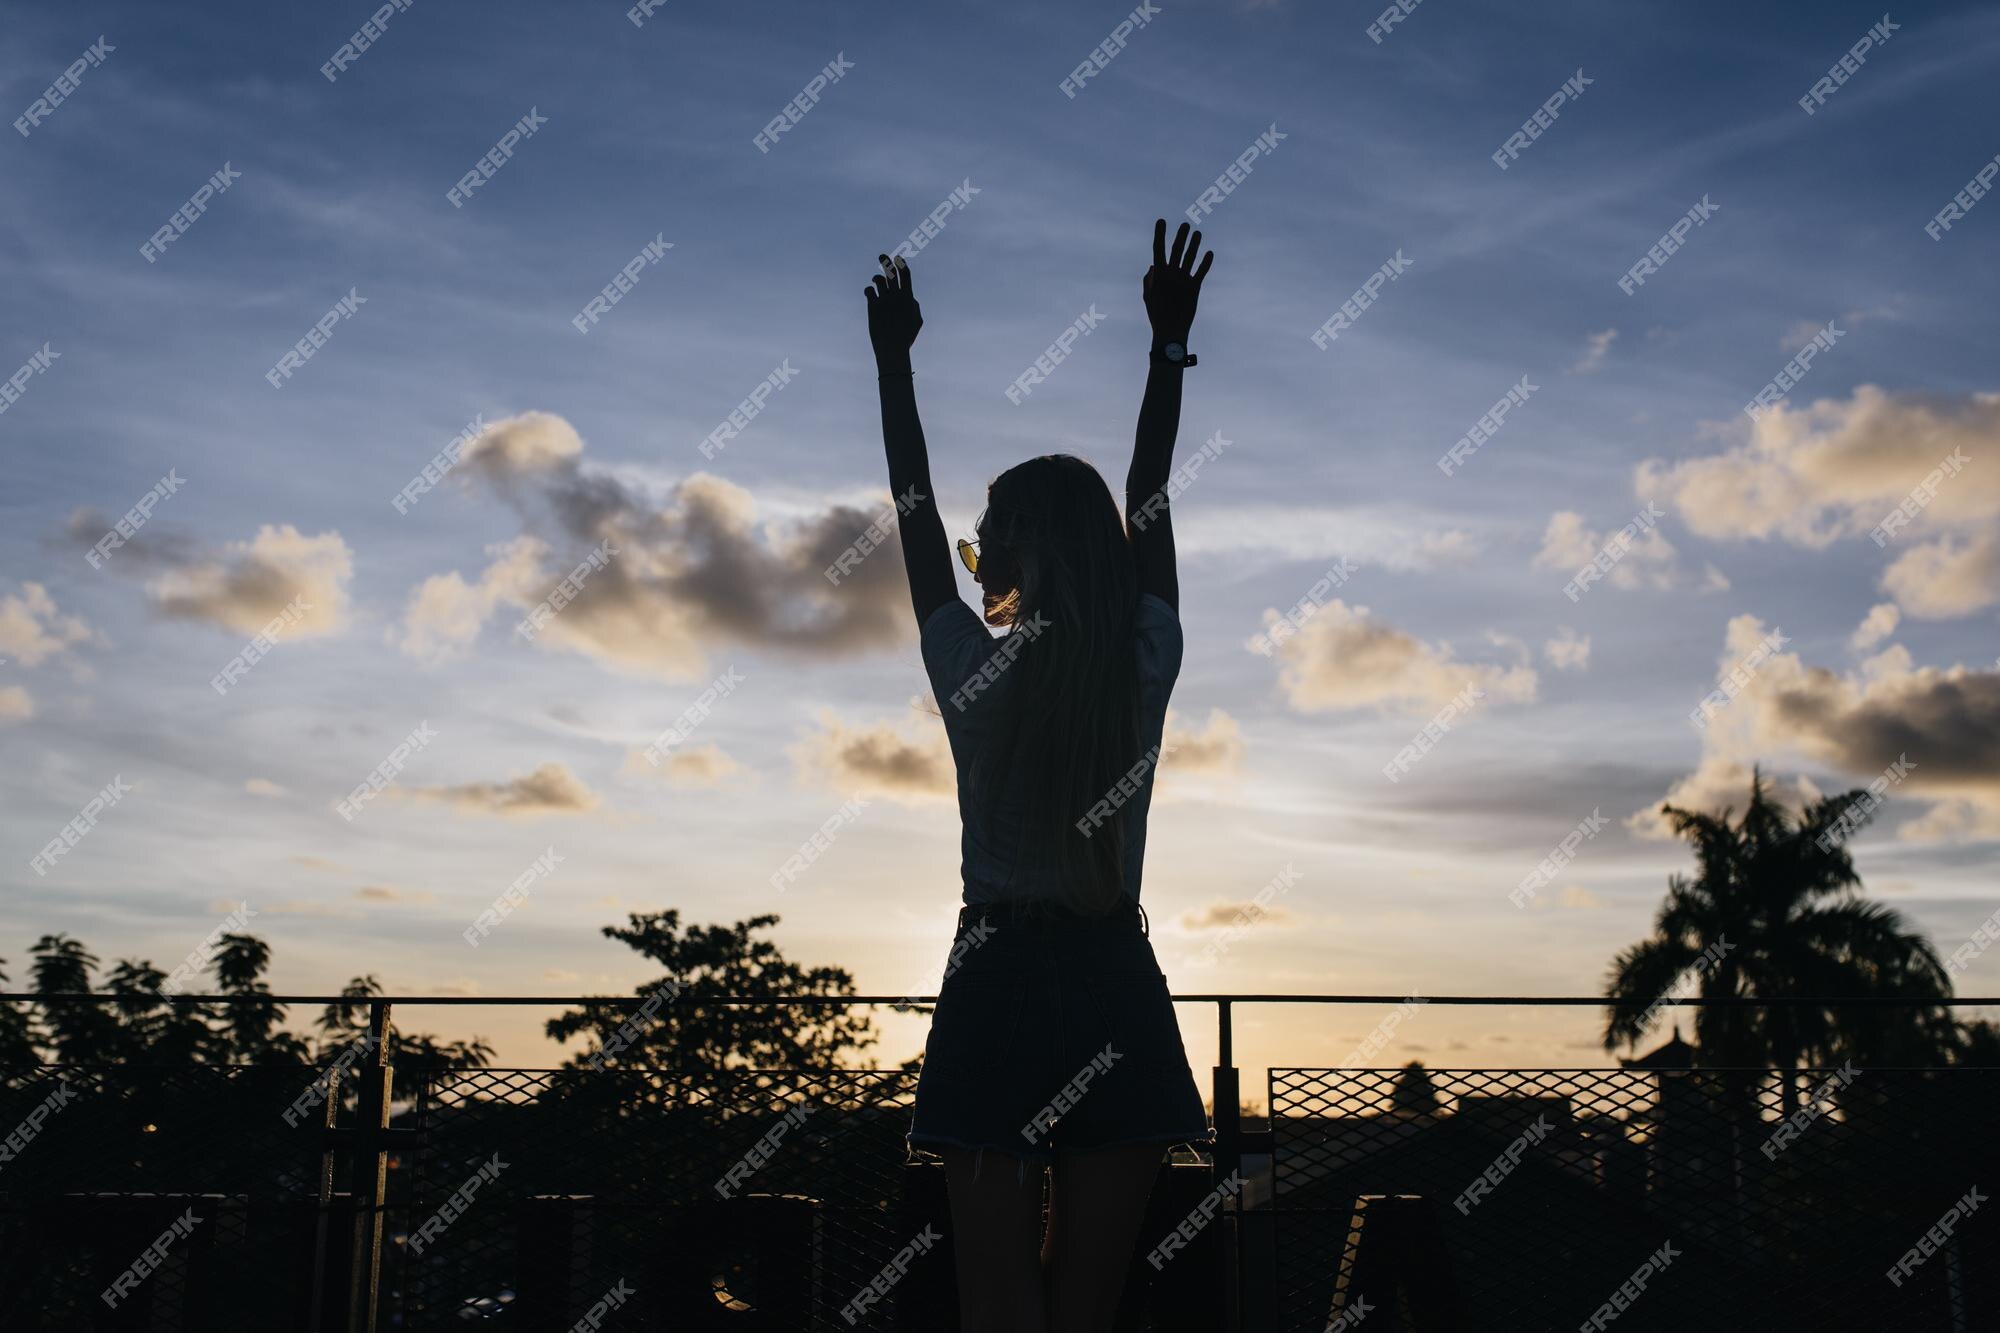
point(78, 1033)
point(249, 1027)
point(1774, 910)
point(1414, 1093)
point(1978, 1044)
point(674, 1030)
point(345, 1025)
point(150, 1029)
point(17, 1033)
point(141, 1026)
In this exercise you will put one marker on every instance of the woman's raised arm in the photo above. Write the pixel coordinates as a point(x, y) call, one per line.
point(893, 321)
point(1172, 287)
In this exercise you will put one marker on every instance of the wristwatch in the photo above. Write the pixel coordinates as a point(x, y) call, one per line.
point(1175, 355)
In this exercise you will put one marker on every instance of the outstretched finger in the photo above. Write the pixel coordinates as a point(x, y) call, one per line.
point(1160, 243)
point(1180, 240)
point(888, 269)
point(1194, 248)
point(869, 292)
point(1206, 260)
point(881, 286)
point(903, 272)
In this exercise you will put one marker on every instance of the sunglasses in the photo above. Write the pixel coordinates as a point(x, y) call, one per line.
point(969, 553)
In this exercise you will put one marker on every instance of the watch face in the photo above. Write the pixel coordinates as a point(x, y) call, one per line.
point(1174, 351)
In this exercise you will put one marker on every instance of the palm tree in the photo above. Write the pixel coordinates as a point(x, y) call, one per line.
point(1774, 910)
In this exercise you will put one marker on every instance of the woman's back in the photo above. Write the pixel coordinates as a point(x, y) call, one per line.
point(971, 675)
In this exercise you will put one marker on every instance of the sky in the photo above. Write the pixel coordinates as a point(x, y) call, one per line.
point(1744, 611)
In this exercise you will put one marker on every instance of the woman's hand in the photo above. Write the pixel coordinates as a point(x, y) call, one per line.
point(1173, 284)
point(893, 314)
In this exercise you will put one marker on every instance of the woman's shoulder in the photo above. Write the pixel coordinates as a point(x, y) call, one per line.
point(955, 645)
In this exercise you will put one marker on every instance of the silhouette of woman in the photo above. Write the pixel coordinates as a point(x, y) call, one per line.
point(1054, 1049)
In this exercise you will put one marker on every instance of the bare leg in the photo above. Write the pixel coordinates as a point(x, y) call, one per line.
point(1096, 1202)
point(996, 1223)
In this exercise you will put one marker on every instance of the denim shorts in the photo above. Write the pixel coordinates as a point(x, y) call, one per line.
point(1054, 1033)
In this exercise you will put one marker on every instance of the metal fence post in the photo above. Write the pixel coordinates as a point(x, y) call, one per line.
point(370, 1179)
point(322, 1221)
point(1228, 1159)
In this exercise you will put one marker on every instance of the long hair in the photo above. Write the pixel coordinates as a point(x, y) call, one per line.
point(1067, 725)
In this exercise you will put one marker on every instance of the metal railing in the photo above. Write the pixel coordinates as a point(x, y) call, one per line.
point(364, 1196)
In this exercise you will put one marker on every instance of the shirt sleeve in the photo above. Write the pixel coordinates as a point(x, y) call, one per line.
point(1157, 629)
point(955, 645)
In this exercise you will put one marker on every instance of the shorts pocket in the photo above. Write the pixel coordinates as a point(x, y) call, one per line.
point(1135, 1019)
point(976, 1025)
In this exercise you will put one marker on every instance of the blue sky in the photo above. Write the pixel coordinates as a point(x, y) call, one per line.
point(1332, 453)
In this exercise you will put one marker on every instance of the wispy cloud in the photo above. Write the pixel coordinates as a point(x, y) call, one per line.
point(551, 789)
point(1595, 348)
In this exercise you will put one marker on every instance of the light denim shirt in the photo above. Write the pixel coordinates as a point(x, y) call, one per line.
point(967, 666)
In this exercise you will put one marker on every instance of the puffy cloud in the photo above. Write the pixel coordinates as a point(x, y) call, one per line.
point(1568, 650)
point(15, 704)
point(1945, 578)
point(1650, 561)
point(532, 442)
point(551, 789)
point(1944, 720)
point(696, 766)
point(1217, 747)
point(687, 571)
point(247, 585)
point(879, 759)
point(1877, 625)
point(32, 630)
point(445, 613)
point(1719, 783)
point(1344, 658)
point(1835, 469)
point(1596, 347)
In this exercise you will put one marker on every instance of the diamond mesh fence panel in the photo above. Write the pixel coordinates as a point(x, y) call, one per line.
point(745, 1200)
point(1534, 1200)
point(1489, 1199)
point(741, 1200)
point(159, 1198)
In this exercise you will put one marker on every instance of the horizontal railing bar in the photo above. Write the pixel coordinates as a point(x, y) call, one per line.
point(825, 1071)
point(1589, 1001)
